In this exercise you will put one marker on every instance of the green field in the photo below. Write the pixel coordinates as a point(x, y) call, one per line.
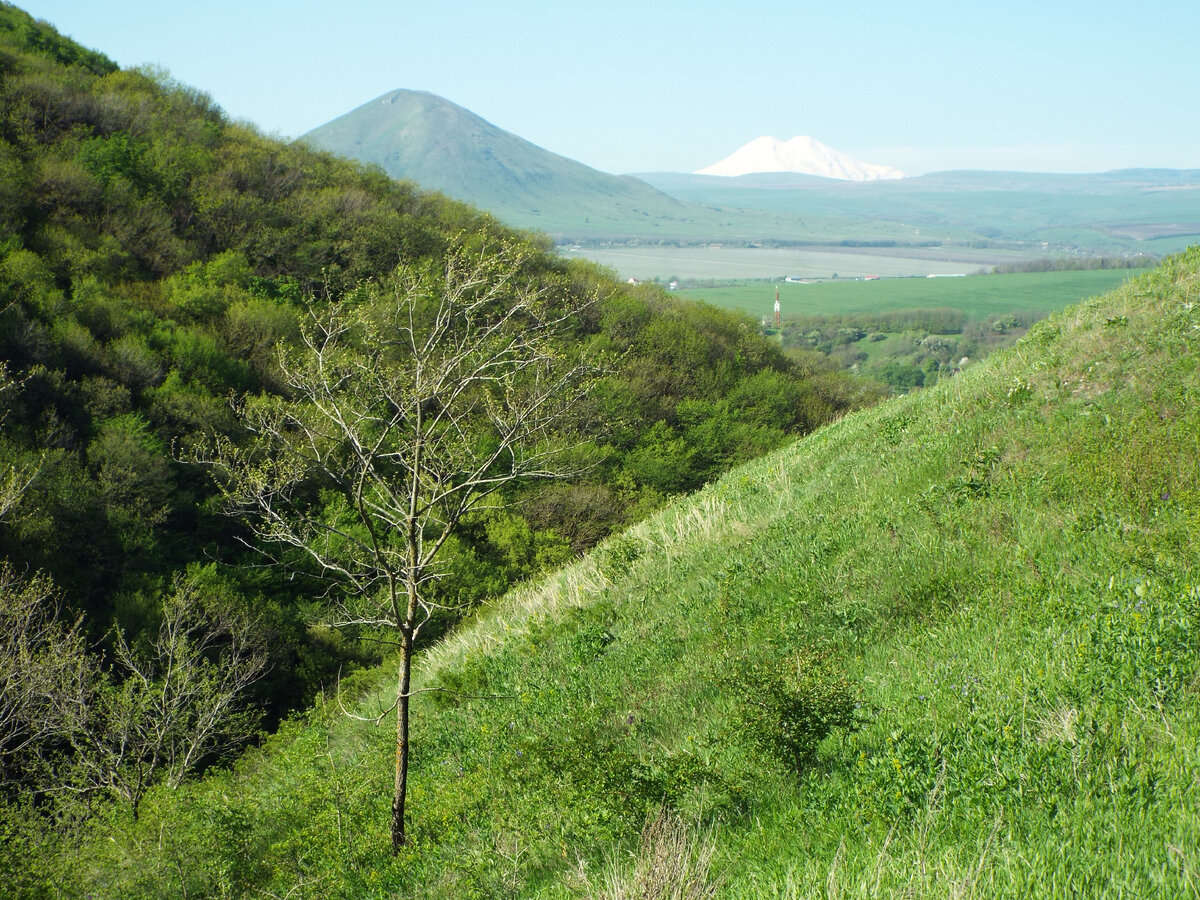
point(977, 296)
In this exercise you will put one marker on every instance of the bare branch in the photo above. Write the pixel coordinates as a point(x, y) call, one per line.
point(45, 674)
point(409, 406)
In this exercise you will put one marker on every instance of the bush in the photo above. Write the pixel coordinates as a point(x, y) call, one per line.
point(899, 376)
point(790, 703)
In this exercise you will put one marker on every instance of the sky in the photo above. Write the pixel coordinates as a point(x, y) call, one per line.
point(676, 85)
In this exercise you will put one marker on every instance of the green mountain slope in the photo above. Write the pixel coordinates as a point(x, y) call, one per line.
point(997, 580)
point(421, 137)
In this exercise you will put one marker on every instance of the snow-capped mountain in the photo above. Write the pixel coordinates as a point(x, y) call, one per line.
point(805, 155)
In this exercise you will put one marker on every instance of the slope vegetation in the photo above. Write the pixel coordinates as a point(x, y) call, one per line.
point(944, 647)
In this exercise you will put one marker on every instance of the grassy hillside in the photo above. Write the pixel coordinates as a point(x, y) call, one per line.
point(994, 584)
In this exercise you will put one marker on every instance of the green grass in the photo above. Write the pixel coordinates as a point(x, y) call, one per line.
point(1004, 567)
point(977, 296)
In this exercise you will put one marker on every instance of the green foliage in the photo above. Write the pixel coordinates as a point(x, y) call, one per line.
point(900, 377)
point(133, 477)
point(1140, 646)
point(789, 703)
point(662, 460)
point(23, 32)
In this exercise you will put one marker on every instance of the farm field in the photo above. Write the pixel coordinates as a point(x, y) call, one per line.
point(977, 296)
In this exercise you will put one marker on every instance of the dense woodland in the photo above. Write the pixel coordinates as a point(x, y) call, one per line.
point(155, 260)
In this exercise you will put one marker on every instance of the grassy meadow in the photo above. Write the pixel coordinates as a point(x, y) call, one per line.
point(945, 647)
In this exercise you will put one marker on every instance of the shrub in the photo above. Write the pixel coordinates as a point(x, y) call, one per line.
point(788, 704)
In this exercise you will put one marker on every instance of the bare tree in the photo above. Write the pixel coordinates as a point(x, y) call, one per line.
point(178, 702)
point(69, 727)
point(412, 404)
point(46, 677)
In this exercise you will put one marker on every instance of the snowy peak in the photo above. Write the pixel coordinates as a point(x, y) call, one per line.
point(805, 155)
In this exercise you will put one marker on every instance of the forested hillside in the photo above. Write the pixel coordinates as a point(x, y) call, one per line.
point(155, 261)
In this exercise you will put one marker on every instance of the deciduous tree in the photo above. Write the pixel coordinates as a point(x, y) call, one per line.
point(179, 701)
point(413, 402)
point(46, 677)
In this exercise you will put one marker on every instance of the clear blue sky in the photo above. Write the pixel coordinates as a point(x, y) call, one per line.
point(667, 85)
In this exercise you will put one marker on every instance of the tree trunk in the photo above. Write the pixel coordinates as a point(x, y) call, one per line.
point(401, 787)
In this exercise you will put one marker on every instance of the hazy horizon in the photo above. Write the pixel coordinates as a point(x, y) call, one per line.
point(918, 85)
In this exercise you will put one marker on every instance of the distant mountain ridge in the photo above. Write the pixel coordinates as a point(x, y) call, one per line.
point(441, 146)
point(803, 155)
point(424, 138)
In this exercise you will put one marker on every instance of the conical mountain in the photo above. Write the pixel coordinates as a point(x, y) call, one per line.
point(804, 155)
point(441, 146)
